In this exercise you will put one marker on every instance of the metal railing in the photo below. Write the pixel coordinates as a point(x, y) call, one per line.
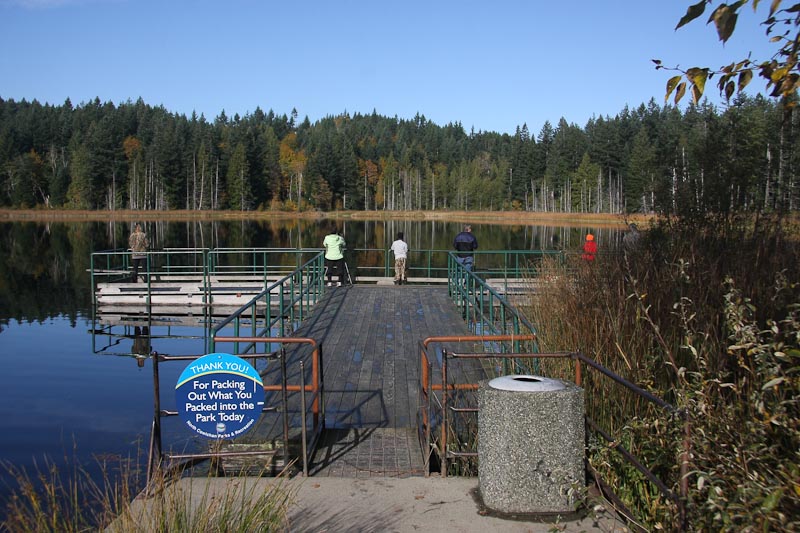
point(284, 304)
point(427, 416)
point(316, 388)
point(200, 283)
point(487, 312)
point(157, 457)
point(433, 264)
point(269, 264)
point(258, 264)
point(431, 414)
point(265, 264)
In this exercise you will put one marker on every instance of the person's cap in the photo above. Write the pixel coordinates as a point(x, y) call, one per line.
point(589, 237)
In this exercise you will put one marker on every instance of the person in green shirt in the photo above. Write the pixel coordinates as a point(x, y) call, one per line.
point(334, 255)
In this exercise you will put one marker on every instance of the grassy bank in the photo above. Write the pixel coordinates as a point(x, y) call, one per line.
point(487, 217)
point(76, 501)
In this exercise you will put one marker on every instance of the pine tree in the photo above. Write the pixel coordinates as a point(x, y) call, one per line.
point(640, 182)
point(79, 193)
point(271, 155)
point(240, 193)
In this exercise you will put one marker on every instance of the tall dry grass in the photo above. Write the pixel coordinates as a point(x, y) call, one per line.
point(77, 500)
point(706, 315)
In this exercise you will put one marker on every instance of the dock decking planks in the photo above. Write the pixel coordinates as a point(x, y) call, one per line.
point(370, 337)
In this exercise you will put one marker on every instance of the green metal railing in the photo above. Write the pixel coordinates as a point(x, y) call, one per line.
point(293, 279)
point(433, 263)
point(272, 268)
point(274, 263)
point(489, 313)
point(115, 265)
point(266, 263)
point(284, 304)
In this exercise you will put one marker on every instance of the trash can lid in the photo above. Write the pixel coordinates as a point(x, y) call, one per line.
point(525, 383)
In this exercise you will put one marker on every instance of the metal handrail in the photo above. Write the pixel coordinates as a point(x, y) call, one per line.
point(427, 397)
point(433, 263)
point(267, 263)
point(486, 311)
point(296, 293)
point(427, 387)
point(316, 388)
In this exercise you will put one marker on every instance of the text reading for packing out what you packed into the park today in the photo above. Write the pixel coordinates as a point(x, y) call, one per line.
point(219, 396)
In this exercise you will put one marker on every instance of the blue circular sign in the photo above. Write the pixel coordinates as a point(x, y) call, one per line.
point(219, 396)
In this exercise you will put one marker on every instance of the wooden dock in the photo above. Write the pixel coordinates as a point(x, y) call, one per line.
point(370, 336)
point(189, 299)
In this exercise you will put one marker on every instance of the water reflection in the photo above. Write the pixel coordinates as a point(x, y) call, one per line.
point(47, 264)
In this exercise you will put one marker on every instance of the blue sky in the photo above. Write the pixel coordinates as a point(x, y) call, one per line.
point(491, 65)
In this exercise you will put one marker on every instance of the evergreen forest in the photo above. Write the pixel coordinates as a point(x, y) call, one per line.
point(651, 159)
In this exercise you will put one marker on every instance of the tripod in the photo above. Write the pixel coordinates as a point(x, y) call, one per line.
point(347, 277)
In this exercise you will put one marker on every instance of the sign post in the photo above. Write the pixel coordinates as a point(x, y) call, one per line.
point(219, 396)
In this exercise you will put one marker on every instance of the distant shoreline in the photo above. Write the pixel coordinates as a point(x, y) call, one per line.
point(476, 217)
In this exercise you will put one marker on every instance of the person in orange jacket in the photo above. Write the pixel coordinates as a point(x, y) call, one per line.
point(589, 248)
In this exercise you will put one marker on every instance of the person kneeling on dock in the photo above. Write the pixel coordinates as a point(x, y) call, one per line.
point(334, 256)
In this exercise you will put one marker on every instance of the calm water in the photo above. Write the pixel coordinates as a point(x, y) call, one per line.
point(63, 400)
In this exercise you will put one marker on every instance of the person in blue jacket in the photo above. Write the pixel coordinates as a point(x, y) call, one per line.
point(465, 244)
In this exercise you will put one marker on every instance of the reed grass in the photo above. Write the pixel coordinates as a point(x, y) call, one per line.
point(705, 314)
point(50, 500)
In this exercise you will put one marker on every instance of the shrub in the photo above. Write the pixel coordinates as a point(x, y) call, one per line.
point(704, 314)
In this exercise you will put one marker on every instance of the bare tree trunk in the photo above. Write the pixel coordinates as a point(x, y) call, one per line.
point(216, 187)
point(433, 192)
point(202, 183)
point(299, 188)
point(419, 189)
point(193, 204)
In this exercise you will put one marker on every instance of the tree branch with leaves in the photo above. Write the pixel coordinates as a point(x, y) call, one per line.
point(781, 72)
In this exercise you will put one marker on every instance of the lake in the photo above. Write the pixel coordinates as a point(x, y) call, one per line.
point(65, 400)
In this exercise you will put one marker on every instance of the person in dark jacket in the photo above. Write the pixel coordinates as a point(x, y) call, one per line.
point(465, 244)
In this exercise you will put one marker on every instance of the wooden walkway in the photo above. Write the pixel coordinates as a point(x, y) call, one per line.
point(370, 337)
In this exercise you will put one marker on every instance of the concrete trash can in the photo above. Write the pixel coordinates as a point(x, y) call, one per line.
point(530, 445)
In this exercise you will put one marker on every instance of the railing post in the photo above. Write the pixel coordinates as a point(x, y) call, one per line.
point(207, 298)
point(236, 333)
point(318, 375)
point(303, 421)
point(155, 444)
point(444, 412)
point(253, 320)
point(285, 407)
